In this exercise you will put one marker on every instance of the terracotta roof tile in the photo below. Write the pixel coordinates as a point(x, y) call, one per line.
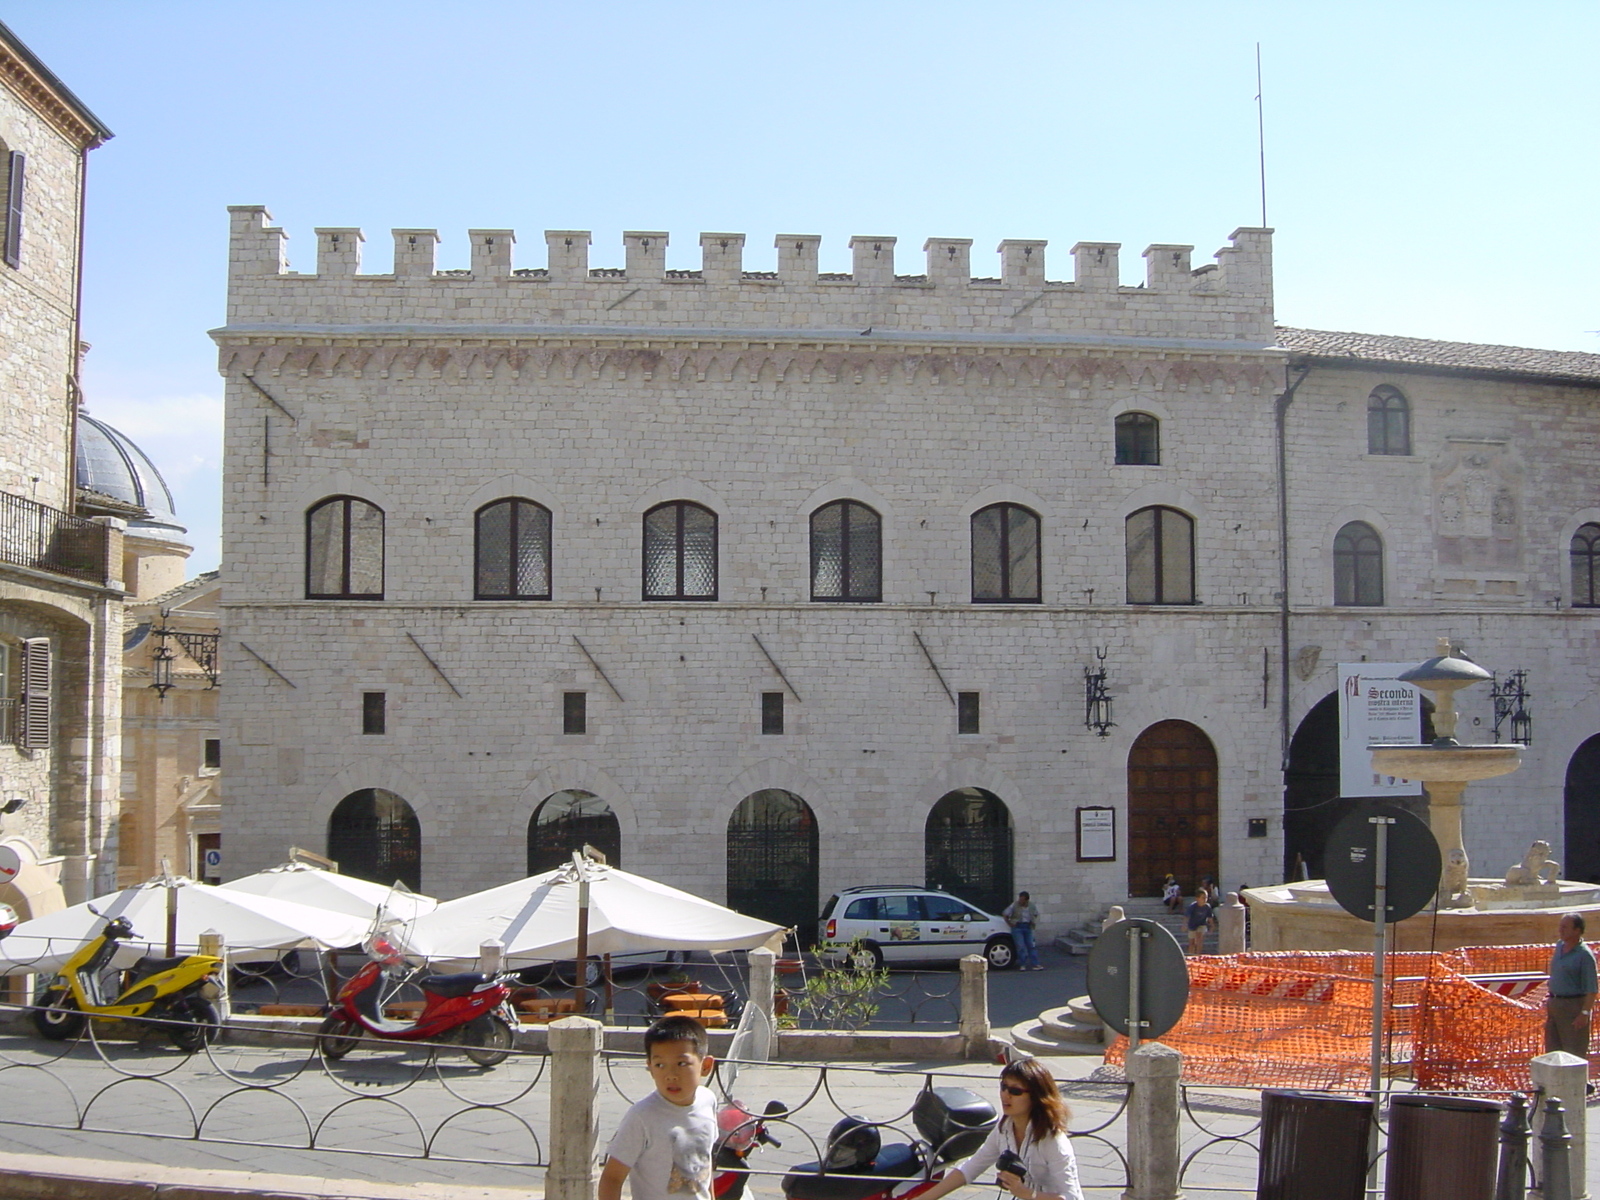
point(1556, 366)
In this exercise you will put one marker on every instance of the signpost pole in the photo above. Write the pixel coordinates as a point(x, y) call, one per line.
point(1380, 931)
point(1135, 1025)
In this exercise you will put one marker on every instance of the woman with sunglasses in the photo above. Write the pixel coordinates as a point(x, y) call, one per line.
point(1033, 1126)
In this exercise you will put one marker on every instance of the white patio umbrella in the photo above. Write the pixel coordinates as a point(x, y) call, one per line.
point(303, 883)
point(253, 927)
point(536, 919)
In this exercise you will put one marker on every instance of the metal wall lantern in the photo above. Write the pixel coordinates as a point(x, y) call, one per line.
point(1511, 705)
point(1097, 698)
point(161, 665)
point(201, 647)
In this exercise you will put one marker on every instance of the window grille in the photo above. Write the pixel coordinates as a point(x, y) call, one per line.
point(1138, 440)
point(1005, 555)
point(512, 553)
point(680, 552)
point(846, 553)
point(344, 550)
point(1388, 421)
point(1357, 565)
point(568, 821)
point(374, 834)
point(1585, 557)
point(1160, 557)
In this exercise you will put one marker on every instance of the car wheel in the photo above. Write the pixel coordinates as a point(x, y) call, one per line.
point(865, 957)
point(57, 1016)
point(592, 973)
point(1001, 953)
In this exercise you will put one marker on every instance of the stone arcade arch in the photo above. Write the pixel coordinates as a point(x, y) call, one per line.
point(1172, 807)
point(967, 848)
point(374, 834)
point(772, 861)
point(1581, 859)
point(564, 822)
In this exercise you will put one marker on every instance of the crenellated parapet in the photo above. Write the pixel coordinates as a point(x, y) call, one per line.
point(1229, 300)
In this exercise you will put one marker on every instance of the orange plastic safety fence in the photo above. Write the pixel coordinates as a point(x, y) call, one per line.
point(1303, 1019)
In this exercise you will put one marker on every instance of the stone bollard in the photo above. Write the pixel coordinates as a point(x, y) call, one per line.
point(492, 957)
point(1153, 1111)
point(1566, 1077)
point(213, 943)
point(1230, 925)
point(763, 970)
point(574, 1076)
point(975, 1006)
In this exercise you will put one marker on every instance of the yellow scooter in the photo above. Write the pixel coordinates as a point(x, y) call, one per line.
point(176, 993)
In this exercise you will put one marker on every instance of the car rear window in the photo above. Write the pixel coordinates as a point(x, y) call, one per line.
point(827, 909)
point(862, 910)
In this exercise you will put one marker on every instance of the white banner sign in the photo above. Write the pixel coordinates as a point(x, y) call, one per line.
point(1375, 709)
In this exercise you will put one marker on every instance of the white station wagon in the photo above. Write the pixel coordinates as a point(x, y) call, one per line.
point(906, 924)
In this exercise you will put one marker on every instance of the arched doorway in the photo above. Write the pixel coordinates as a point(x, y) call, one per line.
point(1312, 805)
point(967, 848)
point(374, 834)
point(565, 822)
point(772, 861)
point(1172, 807)
point(1581, 860)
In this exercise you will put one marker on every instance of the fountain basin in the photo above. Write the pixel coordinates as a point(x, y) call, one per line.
point(1305, 916)
point(1451, 764)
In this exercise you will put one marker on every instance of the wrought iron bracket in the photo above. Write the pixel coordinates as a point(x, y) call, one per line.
point(1511, 705)
point(1097, 698)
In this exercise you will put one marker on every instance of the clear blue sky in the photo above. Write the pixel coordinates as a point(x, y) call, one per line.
point(1431, 166)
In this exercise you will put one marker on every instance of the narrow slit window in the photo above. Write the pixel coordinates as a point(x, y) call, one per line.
point(771, 712)
point(213, 754)
point(968, 713)
point(574, 712)
point(374, 712)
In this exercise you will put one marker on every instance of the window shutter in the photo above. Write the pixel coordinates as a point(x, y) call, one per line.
point(35, 694)
point(18, 165)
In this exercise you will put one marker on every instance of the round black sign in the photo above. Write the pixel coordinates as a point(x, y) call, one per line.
point(1350, 862)
point(1163, 976)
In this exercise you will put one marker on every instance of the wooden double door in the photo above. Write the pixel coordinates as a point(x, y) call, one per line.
point(1172, 808)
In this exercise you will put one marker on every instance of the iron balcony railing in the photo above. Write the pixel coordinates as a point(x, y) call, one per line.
point(47, 539)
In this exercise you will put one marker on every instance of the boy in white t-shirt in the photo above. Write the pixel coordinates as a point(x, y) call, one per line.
point(663, 1145)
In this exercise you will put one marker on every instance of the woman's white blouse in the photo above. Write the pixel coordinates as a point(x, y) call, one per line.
point(1052, 1167)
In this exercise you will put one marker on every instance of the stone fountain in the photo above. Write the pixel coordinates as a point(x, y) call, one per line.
point(1520, 908)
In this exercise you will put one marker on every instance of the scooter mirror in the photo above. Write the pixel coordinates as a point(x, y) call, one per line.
point(94, 910)
point(776, 1108)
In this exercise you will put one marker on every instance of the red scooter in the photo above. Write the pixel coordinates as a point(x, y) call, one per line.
point(740, 1133)
point(470, 1010)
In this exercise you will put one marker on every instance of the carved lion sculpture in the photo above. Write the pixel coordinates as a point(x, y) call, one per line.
point(1536, 867)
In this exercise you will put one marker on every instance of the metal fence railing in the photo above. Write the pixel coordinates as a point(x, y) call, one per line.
point(42, 538)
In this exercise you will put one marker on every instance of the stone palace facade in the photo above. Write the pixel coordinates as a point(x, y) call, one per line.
point(773, 583)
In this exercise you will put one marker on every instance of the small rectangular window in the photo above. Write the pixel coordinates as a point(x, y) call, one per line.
point(574, 712)
point(967, 713)
point(213, 754)
point(15, 173)
point(373, 704)
point(771, 712)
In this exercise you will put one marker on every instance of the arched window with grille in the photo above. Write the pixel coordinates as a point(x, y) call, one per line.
point(1357, 565)
point(512, 551)
point(568, 821)
point(374, 834)
point(1160, 556)
point(344, 550)
point(1585, 556)
point(846, 553)
point(680, 552)
point(1138, 440)
point(1005, 555)
point(1388, 421)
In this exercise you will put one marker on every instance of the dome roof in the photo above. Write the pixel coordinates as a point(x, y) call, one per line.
point(109, 463)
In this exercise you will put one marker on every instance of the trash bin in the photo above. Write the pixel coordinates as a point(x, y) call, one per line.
point(1313, 1147)
point(1442, 1148)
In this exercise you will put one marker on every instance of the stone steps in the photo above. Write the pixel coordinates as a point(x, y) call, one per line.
point(1071, 1029)
point(1034, 1038)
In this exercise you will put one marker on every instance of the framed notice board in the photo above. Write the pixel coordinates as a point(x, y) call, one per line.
point(1097, 833)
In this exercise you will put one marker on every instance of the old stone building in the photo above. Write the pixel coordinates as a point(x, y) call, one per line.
point(60, 570)
point(772, 583)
